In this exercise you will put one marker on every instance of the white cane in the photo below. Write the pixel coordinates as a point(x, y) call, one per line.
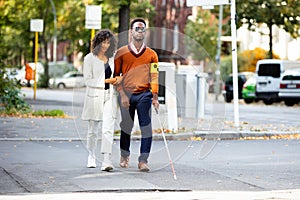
point(166, 144)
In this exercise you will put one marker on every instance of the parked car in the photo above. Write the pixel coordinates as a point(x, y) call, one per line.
point(228, 85)
point(69, 80)
point(249, 89)
point(289, 89)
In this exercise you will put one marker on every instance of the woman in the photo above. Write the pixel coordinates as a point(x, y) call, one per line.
point(99, 106)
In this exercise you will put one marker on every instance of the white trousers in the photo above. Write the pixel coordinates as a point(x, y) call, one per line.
point(106, 126)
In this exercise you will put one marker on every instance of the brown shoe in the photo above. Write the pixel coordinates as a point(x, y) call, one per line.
point(143, 167)
point(124, 162)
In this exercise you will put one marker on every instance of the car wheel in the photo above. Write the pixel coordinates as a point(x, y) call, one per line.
point(289, 102)
point(268, 101)
point(248, 101)
point(61, 86)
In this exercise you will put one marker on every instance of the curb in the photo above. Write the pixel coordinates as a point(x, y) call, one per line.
point(198, 135)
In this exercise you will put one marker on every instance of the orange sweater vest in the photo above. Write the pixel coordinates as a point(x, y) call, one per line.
point(138, 73)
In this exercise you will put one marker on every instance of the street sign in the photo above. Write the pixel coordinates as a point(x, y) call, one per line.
point(93, 17)
point(208, 7)
point(206, 2)
point(36, 25)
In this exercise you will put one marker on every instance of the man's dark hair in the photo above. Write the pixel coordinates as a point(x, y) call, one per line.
point(137, 20)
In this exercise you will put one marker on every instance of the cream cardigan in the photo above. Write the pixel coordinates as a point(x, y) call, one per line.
point(94, 77)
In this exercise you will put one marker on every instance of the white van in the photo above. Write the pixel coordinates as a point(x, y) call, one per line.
point(268, 74)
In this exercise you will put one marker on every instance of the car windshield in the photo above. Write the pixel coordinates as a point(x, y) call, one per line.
point(70, 74)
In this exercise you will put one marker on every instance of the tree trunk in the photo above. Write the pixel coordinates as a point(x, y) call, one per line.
point(123, 25)
point(45, 77)
point(270, 41)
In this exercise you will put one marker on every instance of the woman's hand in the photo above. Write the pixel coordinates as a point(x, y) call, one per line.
point(115, 81)
point(118, 80)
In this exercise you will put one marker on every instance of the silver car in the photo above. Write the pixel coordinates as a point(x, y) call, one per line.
point(69, 80)
point(289, 89)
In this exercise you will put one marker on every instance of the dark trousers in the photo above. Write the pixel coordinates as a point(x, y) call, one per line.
point(140, 102)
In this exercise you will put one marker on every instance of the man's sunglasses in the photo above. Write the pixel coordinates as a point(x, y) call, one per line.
point(137, 29)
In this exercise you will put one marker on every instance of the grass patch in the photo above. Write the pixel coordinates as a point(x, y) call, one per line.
point(33, 114)
point(48, 113)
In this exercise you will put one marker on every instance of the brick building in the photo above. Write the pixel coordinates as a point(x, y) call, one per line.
point(169, 24)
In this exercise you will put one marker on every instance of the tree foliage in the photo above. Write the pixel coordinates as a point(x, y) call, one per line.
point(283, 13)
point(204, 31)
point(17, 42)
point(246, 61)
point(249, 58)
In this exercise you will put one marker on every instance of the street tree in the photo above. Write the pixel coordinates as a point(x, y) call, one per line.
point(18, 42)
point(129, 9)
point(15, 35)
point(71, 20)
point(203, 33)
point(283, 13)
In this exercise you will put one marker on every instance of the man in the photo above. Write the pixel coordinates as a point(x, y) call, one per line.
point(137, 64)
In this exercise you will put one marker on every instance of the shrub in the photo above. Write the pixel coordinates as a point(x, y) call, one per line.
point(10, 97)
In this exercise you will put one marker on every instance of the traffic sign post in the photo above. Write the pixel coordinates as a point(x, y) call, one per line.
point(93, 16)
point(234, 64)
point(36, 25)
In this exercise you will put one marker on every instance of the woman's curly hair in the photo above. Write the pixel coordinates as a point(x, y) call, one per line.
point(101, 36)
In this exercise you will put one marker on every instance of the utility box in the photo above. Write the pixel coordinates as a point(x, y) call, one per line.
point(191, 91)
point(167, 95)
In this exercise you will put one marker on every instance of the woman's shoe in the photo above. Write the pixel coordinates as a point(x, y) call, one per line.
point(91, 162)
point(107, 166)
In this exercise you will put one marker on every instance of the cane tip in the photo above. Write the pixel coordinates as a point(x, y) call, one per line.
point(175, 177)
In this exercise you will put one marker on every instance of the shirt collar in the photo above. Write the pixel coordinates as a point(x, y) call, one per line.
point(133, 48)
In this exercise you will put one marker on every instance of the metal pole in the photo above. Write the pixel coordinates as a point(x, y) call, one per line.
point(197, 96)
point(35, 63)
point(234, 64)
point(55, 32)
point(218, 57)
point(92, 36)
